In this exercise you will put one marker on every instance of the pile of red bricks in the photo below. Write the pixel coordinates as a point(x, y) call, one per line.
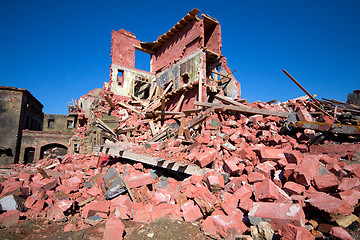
point(259, 184)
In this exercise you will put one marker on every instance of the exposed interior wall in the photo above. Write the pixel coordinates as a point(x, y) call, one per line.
point(190, 67)
point(212, 34)
point(126, 82)
point(122, 48)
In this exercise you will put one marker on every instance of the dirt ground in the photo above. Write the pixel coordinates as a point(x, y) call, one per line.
point(158, 229)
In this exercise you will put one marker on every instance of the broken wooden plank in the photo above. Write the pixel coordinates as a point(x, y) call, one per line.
point(182, 126)
point(220, 74)
point(246, 109)
point(129, 107)
point(110, 102)
point(230, 101)
point(152, 128)
point(178, 105)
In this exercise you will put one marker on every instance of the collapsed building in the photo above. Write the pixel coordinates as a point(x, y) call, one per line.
point(178, 142)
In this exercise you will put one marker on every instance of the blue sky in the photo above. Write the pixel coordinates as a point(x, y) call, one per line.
point(60, 50)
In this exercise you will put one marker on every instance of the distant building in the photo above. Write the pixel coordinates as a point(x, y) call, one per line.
point(19, 110)
point(26, 133)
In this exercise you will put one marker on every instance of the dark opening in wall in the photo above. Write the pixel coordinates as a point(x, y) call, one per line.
point(29, 155)
point(51, 123)
point(70, 124)
point(120, 77)
point(142, 60)
point(185, 78)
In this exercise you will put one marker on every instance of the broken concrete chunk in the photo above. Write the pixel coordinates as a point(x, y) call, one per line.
point(113, 184)
point(93, 220)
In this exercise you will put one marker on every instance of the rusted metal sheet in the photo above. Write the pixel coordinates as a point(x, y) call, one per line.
point(326, 127)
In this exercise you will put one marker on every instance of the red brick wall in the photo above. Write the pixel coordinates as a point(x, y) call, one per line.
point(179, 46)
point(122, 48)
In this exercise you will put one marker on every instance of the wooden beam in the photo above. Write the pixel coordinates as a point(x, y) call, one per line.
point(110, 102)
point(152, 128)
point(178, 105)
point(246, 109)
point(302, 88)
point(129, 107)
point(220, 74)
point(182, 126)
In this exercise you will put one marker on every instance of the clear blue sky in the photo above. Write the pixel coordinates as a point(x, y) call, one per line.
point(60, 50)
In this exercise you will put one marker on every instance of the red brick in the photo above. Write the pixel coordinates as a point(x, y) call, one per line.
point(266, 168)
point(206, 157)
point(72, 183)
point(160, 197)
point(94, 207)
point(278, 214)
point(289, 171)
point(304, 115)
point(215, 183)
point(114, 229)
point(70, 228)
point(30, 201)
point(232, 168)
point(43, 185)
point(9, 218)
point(340, 233)
point(197, 178)
point(293, 157)
point(138, 180)
point(306, 171)
point(142, 213)
point(265, 191)
point(256, 118)
point(254, 177)
point(293, 188)
point(348, 183)
point(246, 204)
point(351, 196)
point(25, 177)
point(326, 183)
point(271, 154)
point(220, 226)
point(167, 210)
point(330, 204)
point(291, 232)
point(191, 212)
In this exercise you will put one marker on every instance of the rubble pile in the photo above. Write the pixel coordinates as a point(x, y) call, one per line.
point(246, 170)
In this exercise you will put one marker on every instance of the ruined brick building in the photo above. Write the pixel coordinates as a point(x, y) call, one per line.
point(187, 56)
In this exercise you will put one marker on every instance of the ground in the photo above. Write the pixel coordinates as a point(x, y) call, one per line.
point(158, 229)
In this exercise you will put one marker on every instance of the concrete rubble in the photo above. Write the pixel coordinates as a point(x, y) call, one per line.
point(237, 169)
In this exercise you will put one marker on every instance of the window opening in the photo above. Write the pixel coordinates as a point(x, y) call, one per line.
point(51, 123)
point(142, 60)
point(70, 124)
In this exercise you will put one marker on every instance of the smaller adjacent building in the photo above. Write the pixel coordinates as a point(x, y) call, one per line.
point(26, 133)
point(19, 110)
